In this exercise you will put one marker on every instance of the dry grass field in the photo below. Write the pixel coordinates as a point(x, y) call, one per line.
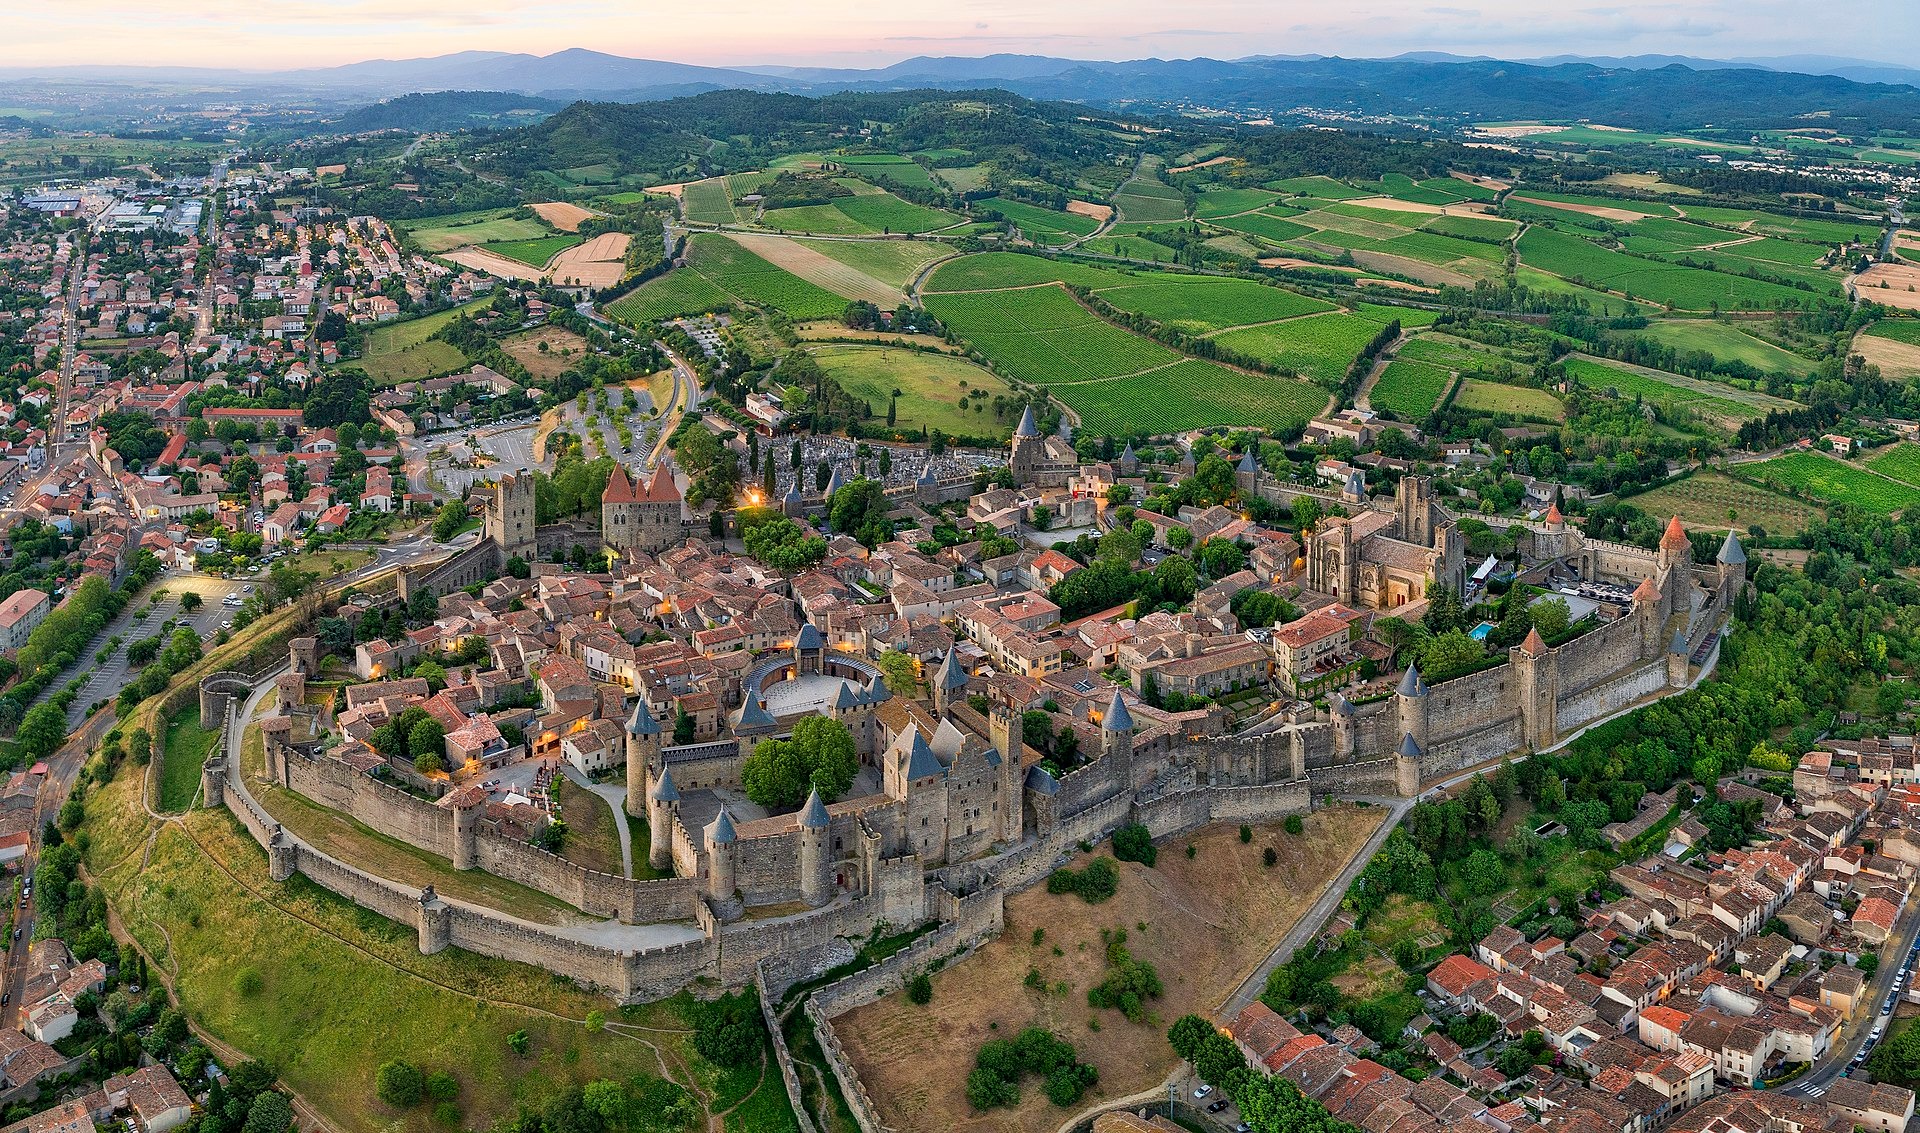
point(600, 262)
point(1891, 285)
point(1895, 359)
point(1604, 212)
point(1205, 923)
point(525, 348)
point(562, 215)
point(1088, 208)
point(479, 259)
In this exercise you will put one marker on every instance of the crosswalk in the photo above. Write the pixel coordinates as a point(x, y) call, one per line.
point(1816, 1091)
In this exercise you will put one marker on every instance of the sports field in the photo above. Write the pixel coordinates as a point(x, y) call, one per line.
point(1836, 481)
point(456, 230)
point(1705, 498)
point(933, 387)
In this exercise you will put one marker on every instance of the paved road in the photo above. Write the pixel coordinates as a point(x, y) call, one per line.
point(1853, 1037)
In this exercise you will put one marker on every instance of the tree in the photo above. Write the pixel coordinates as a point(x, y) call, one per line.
point(426, 742)
point(517, 568)
point(42, 730)
point(1551, 616)
point(819, 756)
point(1449, 654)
point(920, 990)
point(190, 601)
point(900, 673)
point(683, 727)
point(450, 519)
point(271, 1112)
point(1179, 538)
point(777, 541)
point(400, 1084)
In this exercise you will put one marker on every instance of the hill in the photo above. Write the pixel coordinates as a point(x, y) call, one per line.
point(445, 110)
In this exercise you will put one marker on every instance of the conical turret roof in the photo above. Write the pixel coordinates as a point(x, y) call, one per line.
point(640, 721)
point(950, 675)
point(664, 791)
point(1731, 553)
point(1411, 684)
point(1533, 646)
point(1247, 464)
point(1117, 718)
point(1676, 535)
point(753, 713)
point(1028, 427)
point(814, 814)
point(1646, 591)
point(1409, 747)
point(721, 832)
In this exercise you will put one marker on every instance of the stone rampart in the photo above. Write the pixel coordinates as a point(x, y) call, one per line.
point(1470, 704)
point(389, 810)
point(1609, 696)
point(1596, 656)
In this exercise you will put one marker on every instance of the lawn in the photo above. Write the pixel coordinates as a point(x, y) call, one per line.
point(1705, 498)
point(931, 387)
point(1409, 390)
point(1476, 396)
point(1726, 342)
point(187, 746)
point(1192, 394)
point(533, 253)
point(341, 990)
point(1824, 478)
point(1203, 922)
point(1320, 347)
point(456, 230)
point(593, 838)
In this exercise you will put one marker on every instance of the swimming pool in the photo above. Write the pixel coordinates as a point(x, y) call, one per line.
point(1480, 632)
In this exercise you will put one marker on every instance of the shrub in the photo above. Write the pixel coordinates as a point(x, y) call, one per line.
point(1128, 984)
point(1270, 857)
point(1295, 825)
point(399, 1084)
point(920, 990)
point(447, 1114)
point(247, 983)
point(520, 1043)
point(728, 1030)
point(1097, 882)
point(1000, 1064)
point(442, 1086)
point(1246, 833)
point(1134, 843)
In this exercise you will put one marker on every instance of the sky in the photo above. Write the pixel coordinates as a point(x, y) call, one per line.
point(276, 34)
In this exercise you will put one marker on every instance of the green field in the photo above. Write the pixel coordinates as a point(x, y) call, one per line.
point(1484, 228)
point(1203, 304)
point(1319, 347)
point(990, 270)
point(884, 212)
point(746, 276)
point(1324, 188)
point(1145, 199)
point(1409, 390)
point(931, 387)
point(1818, 230)
point(1692, 289)
point(186, 751)
point(1900, 462)
point(457, 230)
point(1718, 405)
point(1897, 330)
point(681, 292)
point(892, 262)
point(888, 166)
point(1726, 342)
point(407, 351)
point(1824, 478)
point(1190, 395)
point(1225, 202)
point(708, 202)
point(1265, 225)
point(1452, 353)
point(1044, 336)
point(1705, 498)
point(1650, 208)
point(533, 253)
point(1129, 248)
point(1476, 396)
point(821, 220)
point(1040, 225)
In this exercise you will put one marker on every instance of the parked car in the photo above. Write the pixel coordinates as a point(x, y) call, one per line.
point(1217, 1105)
point(1202, 1090)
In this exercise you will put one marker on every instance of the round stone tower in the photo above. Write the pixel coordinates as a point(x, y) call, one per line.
point(816, 883)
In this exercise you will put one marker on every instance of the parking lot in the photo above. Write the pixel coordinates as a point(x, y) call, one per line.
point(108, 678)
